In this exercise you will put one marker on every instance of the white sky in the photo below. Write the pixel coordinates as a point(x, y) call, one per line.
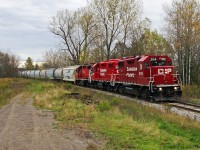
point(24, 23)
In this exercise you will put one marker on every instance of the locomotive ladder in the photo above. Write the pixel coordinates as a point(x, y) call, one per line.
point(151, 81)
point(113, 78)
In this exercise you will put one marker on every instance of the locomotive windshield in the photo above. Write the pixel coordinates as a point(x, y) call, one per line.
point(159, 62)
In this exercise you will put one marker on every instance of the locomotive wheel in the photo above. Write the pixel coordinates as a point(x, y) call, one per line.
point(116, 88)
point(145, 93)
point(108, 87)
point(95, 85)
point(121, 89)
point(152, 99)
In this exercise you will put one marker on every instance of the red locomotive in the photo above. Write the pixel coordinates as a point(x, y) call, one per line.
point(149, 77)
point(82, 75)
point(102, 74)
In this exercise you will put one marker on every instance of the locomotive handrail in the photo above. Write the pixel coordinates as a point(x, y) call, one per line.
point(151, 81)
point(178, 79)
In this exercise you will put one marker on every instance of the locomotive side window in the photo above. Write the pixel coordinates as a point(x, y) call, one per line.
point(89, 67)
point(103, 65)
point(130, 62)
point(121, 64)
point(146, 64)
point(110, 65)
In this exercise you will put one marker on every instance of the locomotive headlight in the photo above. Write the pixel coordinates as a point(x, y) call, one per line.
point(160, 89)
point(175, 88)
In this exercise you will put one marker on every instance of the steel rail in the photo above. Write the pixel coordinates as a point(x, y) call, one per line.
point(186, 106)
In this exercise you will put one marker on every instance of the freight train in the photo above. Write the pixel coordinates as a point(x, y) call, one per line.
point(149, 77)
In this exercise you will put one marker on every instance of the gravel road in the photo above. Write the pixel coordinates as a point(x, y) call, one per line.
point(22, 127)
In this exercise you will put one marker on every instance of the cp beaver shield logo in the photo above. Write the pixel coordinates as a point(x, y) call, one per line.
point(164, 71)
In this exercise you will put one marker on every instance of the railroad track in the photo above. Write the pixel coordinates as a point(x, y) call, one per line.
point(186, 106)
point(178, 104)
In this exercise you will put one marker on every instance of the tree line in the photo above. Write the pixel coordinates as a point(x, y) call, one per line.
point(182, 29)
point(8, 64)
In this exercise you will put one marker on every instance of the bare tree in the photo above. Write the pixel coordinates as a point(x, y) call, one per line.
point(114, 20)
point(131, 15)
point(108, 15)
point(73, 28)
point(138, 36)
point(56, 58)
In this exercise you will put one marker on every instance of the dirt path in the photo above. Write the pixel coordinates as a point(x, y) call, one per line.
point(22, 127)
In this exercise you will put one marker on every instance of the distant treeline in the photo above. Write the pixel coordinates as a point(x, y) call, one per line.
point(8, 65)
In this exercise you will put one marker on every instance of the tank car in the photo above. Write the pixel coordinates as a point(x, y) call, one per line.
point(50, 73)
point(37, 74)
point(58, 74)
point(32, 74)
point(24, 73)
point(28, 74)
point(43, 74)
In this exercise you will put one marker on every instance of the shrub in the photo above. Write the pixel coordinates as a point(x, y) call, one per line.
point(104, 106)
point(68, 86)
point(114, 101)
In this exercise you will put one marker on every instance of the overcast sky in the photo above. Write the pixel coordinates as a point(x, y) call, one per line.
point(24, 23)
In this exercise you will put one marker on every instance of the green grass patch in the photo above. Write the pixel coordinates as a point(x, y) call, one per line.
point(38, 86)
point(124, 124)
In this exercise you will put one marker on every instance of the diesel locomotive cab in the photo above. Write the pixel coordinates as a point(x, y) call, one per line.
point(164, 84)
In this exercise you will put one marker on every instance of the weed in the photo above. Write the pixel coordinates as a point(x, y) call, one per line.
point(115, 101)
point(104, 106)
point(68, 86)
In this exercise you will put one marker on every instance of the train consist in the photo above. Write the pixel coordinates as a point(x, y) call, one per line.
point(149, 77)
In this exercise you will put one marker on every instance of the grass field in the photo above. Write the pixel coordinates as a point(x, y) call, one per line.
point(121, 124)
point(9, 87)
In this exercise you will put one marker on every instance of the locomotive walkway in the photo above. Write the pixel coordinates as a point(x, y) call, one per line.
point(22, 127)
